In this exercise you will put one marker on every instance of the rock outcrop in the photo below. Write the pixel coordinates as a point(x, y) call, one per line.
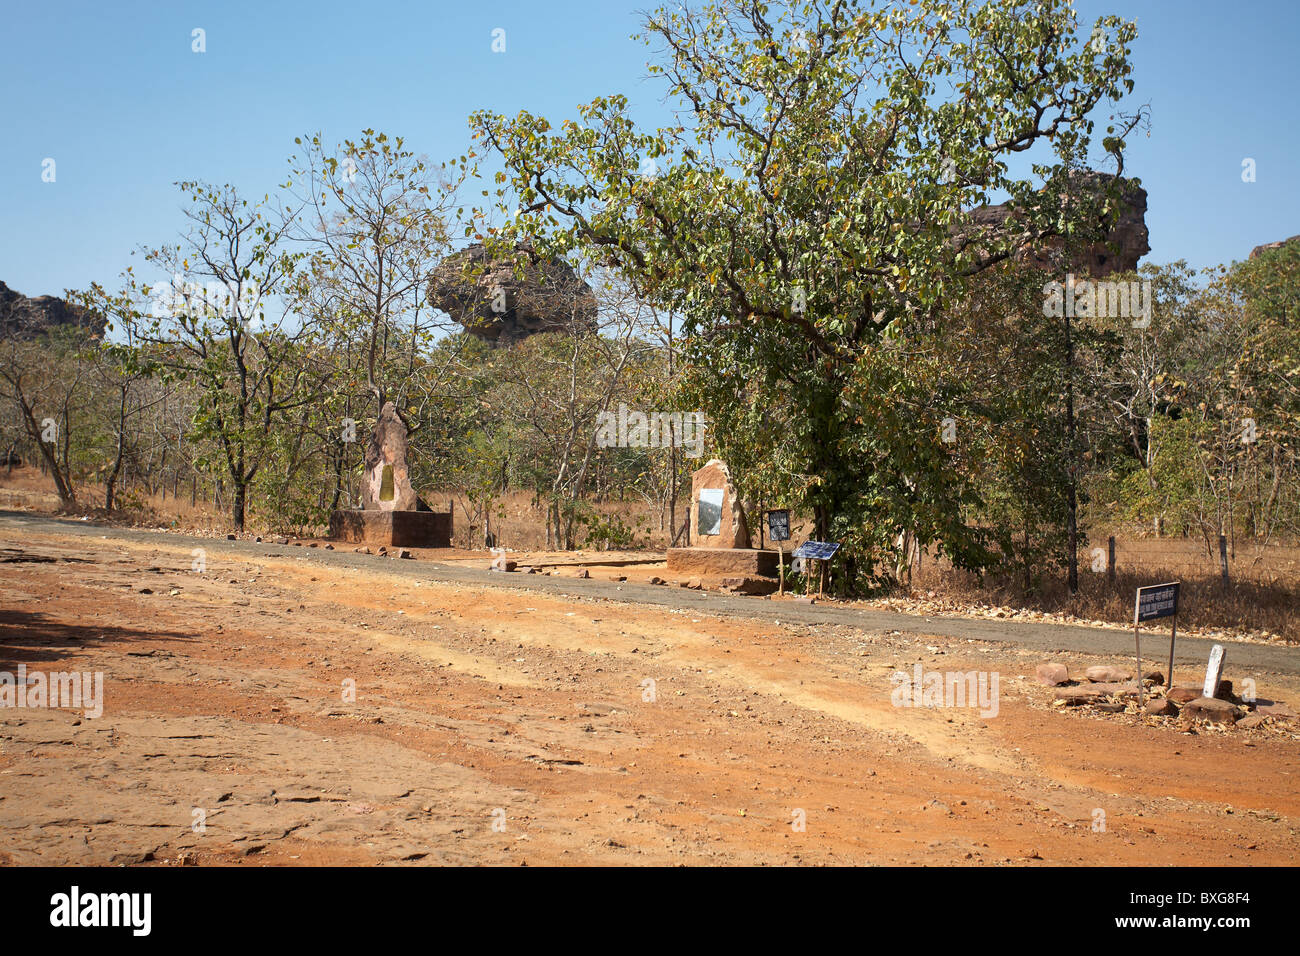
point(23, 317)
point(508, 298)
point(1119, 250)
point(1268, 246)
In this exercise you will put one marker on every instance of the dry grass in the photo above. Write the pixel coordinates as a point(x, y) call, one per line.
point(26, 488)
point(1263, 594)
point(520, 525)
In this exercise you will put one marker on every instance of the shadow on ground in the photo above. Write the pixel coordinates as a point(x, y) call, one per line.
point(29, 637)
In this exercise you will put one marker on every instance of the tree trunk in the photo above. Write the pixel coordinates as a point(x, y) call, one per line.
point(1071, 488)
point(237, 506)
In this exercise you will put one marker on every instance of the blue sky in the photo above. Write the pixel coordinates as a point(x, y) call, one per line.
point(113, 93)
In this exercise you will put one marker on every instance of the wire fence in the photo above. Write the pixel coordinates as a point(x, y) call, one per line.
point(1262, 562)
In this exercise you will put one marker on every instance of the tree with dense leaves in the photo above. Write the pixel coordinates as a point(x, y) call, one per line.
point(807, 217)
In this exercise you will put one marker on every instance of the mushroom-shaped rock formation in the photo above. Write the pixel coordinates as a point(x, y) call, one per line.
point(510, 297)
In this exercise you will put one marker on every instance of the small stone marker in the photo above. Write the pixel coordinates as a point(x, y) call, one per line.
point(1213, 672)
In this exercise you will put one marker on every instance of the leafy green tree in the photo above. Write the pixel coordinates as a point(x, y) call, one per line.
point(808, 207)
point(1266, 371)
point(219, 321)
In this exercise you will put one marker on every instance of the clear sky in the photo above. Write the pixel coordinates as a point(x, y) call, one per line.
point(112, 92)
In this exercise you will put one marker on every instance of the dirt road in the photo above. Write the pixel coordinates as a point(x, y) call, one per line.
point(549, 724)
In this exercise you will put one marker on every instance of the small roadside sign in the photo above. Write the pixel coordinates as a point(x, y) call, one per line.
point(778, 525)
point(1156, 601)
point(1152, 603)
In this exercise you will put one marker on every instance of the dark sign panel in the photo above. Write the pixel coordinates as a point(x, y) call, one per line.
point(778, 525)
point(1158, 600)
point(820, 550)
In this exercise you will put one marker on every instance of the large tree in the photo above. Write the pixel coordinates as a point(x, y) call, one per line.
point(376, 219)
point(807, 217)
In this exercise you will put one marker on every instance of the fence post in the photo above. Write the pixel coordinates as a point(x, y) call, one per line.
point(1223, 558)
point(1110, 561)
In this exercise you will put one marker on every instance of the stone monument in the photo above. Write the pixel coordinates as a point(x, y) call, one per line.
point(391, 513)
point(386, 482)
point(720, 542)
point(717, 516)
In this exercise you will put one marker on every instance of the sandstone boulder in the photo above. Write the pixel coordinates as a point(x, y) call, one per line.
point(1116, 218)
point(1162, 707)
point(1107, 675)
point(1087, 693)
point(506, 298)
point(1272, 708)
point(1212, 710)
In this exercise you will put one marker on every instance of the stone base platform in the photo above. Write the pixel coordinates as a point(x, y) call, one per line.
point(729, 561)
point(393, 529)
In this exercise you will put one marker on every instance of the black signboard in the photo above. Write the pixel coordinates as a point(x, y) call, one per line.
point(819, 550)
point(778, 525)
point(1158, 600)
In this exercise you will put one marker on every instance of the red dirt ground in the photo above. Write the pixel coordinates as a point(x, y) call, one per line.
point(500, 726)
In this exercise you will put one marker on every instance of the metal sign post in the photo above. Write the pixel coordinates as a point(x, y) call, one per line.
point(1152, 603)
point(1173, 636)
point(1137, 639)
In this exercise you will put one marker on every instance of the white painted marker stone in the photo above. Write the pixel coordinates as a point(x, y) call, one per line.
point(1213, 672)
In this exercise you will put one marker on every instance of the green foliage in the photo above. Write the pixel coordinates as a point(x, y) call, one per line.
point(802, 222)
point(608, 532)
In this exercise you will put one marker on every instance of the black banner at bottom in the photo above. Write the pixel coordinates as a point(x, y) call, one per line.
point(305, 905)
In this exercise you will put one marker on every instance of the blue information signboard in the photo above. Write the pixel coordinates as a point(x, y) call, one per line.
point(817, 550)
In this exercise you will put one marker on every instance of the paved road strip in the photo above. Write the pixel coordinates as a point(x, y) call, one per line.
point(1046, 637)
